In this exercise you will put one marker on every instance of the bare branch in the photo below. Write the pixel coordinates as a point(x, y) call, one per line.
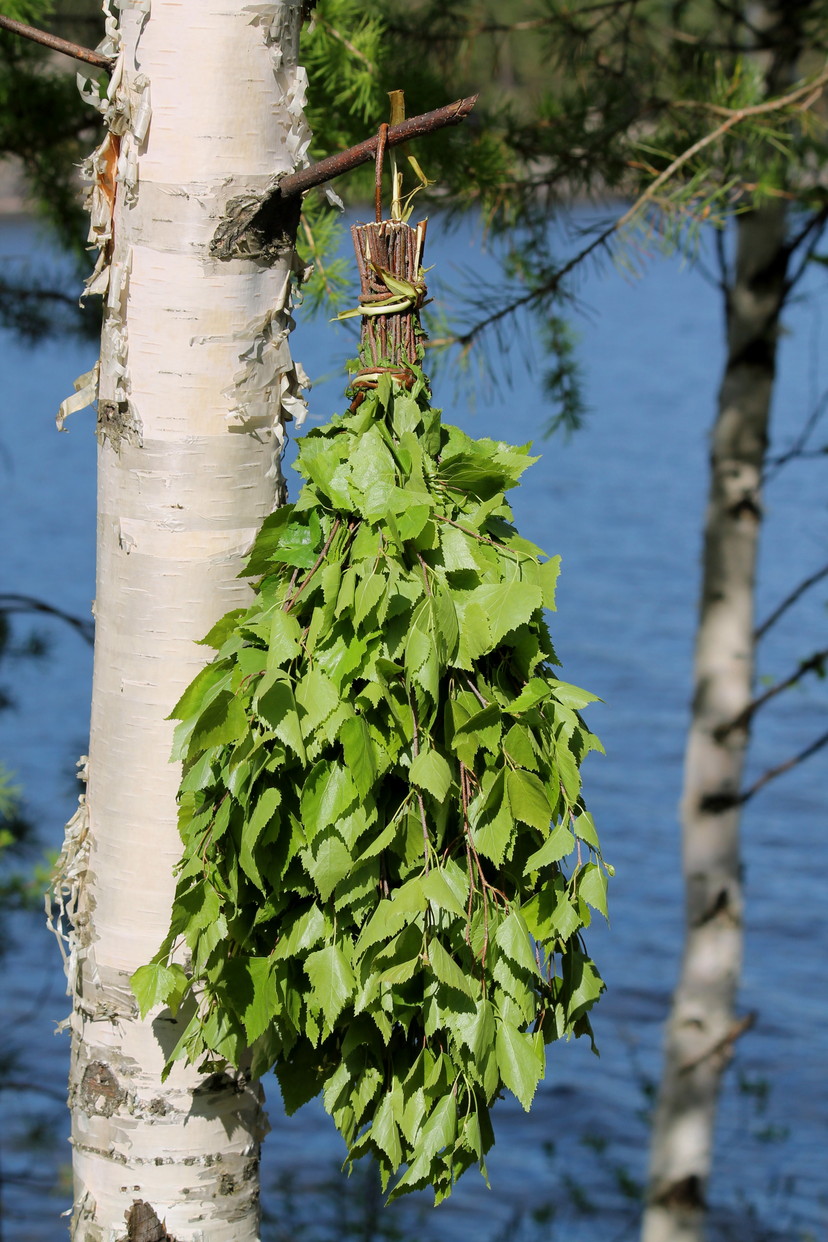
point(781, 768)
point(363, 152)
point(27, 603)
point(814, 664)
point(789, 601)
point(797, 449)
point(56, 44)
point(739, 1028)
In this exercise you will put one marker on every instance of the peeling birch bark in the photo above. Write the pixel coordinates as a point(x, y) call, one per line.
point(194, 387)
point(703, 1026)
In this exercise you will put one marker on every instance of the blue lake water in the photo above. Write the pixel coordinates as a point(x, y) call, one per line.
point(623, 503)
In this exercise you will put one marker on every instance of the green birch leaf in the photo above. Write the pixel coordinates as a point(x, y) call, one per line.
point(267, 542)
point(438, 889)
point(326, 795)
point(513, 937)
point(250, 984)
point(557, 845)
point(475, 638)
point(223, 629)
point(484, 726)
point(548, 576)
point(276, 705)
point(430, 771)
point(456, 548)
point(518, 1062)
point(305, 931)
point(331, 979)
point(283, 638)
point(318, 698)
point(388, 918)
point(368, 593)
point(385, 1132)
point(528, 799)
point(328, 861)
point(439, 1130)
point(447, 970)
point(360, 756)
point(507, 605)
point(156, 984)
point(493, 827)
point(536, 690)
point(567, 766)
point(223, 721)
point(584, 827)
point(518, 746)
point(572, 696)
point(592, 887)
point(583, 983)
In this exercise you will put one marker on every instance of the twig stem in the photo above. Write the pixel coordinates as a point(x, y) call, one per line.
point(56, 44)
point(363, 152)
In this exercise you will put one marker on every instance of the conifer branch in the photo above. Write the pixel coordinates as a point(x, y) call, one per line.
point(805, 96)
point(56, 44)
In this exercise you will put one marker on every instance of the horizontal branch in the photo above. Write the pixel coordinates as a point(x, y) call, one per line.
point(814, 664)
point(789, 601)
point(254, 227)
point(56, 44)
point(364, 152)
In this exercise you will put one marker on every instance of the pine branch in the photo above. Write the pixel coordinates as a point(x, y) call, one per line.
point(56, 44)
point(789, 601)
point(809, 92)
point(814, 664)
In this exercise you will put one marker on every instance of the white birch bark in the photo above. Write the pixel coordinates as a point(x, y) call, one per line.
point(195, 381)
point(703, 1027)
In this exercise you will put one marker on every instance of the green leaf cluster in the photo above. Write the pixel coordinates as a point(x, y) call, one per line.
point(387, 861)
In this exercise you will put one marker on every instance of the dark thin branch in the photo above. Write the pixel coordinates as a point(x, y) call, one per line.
point(739, 1028)
point(27, 603)
point(363, 152)
point(533, 296)
point(812, 233)
point(781, 768)
point(814, 664)
point(789, 601)
point(56, 44)
point(798, 450)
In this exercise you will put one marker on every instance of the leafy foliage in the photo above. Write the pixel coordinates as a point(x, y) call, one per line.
point(387, 861)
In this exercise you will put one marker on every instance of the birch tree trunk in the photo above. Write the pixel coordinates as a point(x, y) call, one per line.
point(702, 1027)
point(194, 385)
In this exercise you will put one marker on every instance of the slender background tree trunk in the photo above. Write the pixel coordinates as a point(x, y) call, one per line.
point(195, 381)
point(703, 1026)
